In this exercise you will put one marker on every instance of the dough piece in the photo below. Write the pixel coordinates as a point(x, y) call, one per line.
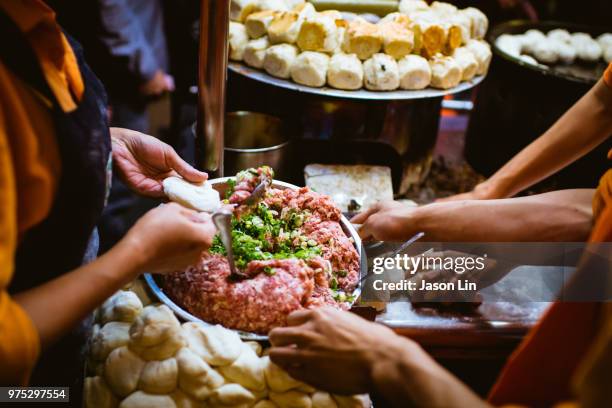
point(467, 63)
point(381, 73)
point(362, 38)
point(322, 399)
point(96, 394)
point(410, 6)
point(414, 72)
point(443, 9)
point(278, 379)
point(195, 377)
point(531, 38)
point(310, 69)
point(559, 34)
point(255, 52)
point(445, 72)
point(140, 288)
point(122, 371)
point(545, 51)
point(318, 33)
point(345, 72)
point(454, 38)
point(159, 377)
point(199, 197)
point(607, 54)
point(482, 53)
point(217, 345)
point(265, 404)
point(241, 9)
point(279, 59)
point(480, 22)
point(565, 51)
point(588, 50)
point(247, 370)
point(465, 25)
point(123, 306)
point(231, 394)
point(398, 40)
point(257, 23)
point(579, 38)
point(182, 400)
point(275, 5)
point(156, 334)
point(353, 401)
point(285, 27)
point(141, 399)
point(291, 399)
point(255, 346)
point(605, 40)
point(111, 336)
point(434, 36)
point(238, 39)
point(509, 44)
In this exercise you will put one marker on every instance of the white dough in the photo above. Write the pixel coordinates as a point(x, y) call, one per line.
point(588, 50)
point(231, 394)
point(122, 371)
point(509, 44)
point(531, 38)
point(345, 72)
point(480, 22)
point(545, 51)
point(605, 40)
point(467, 63)
point(159, 377)
point(559, 34)
point(414, 72)
point(607, 54)
point(217, 345)
point(482, 53)
point(567, 53)
point(529, 59)
point(238, 39)
point(291, 399)
point(123, 306)
point(156, 334)
point(111, 336)
point(310, 69)
point(199, 197)
point(381, 73)
point(141, 399)
point(279, 59)
point(445, 72)
point(255, 52)
point(96, 394)
point(195, 376)
point(247, 370)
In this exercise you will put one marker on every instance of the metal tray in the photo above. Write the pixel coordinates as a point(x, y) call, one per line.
point(363, 94)
point(220, 184)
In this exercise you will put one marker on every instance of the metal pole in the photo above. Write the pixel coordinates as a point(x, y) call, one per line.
point(213, 54)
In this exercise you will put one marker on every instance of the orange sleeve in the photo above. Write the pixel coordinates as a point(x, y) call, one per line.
point(608, 76)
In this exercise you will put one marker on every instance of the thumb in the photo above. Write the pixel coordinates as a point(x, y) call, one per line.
point(184, 169)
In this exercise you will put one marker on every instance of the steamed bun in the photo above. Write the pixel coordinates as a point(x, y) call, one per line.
point(199, 197)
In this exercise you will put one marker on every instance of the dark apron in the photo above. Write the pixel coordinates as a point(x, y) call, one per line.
point(63, 241)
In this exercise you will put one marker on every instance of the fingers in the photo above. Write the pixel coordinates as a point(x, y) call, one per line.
point(287, 356)
point(289, 336)
point(362, 216)
point(183, 168)
point(299, 317)
point(365, 232)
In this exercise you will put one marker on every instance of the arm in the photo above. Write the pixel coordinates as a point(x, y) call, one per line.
point(345, 354)
point(559, 216)
point(587, 124)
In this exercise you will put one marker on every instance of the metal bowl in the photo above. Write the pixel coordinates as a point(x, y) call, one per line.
point(220, 185)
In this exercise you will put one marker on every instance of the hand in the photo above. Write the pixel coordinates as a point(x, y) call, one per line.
point(170, 238)
point(387, 221)
point(158, 84)
point(143, 162)
point(482, 191)
point(334, 350)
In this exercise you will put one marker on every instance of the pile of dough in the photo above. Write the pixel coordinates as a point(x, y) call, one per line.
point(212, 368)
point(123, 306)
point(362, 39)
point(238, 39)
point(257, 23)
point(199, 197)
point(414, 72)
point(467, 63)
point(398, 40)
point(255, 52)
point(310, 68)
point(279, 59)
point(381, 73)
point(445, 72)
point(482, 53)
point(285, 27)
point(345, 72)
point(319, 33)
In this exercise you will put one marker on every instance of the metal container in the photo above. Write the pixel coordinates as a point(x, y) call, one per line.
point(518, 102)
point(220, 184)
point(255, 139)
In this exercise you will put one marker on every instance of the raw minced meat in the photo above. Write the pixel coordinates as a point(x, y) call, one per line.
point(291, 246)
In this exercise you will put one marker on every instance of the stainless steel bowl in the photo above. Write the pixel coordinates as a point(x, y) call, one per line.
point(220, 184)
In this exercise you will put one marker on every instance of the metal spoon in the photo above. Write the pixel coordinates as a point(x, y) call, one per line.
point(401, 248)
point(257, 194)
point(223, 221)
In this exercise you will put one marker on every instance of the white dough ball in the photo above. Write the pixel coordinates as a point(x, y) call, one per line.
point(414, 72)
point(141, 399)
point(216, 345)
point(546, 52)
point(310, 69)
point(238, 38)
point(345, 72)
point(467, 63)
point(482, 53)
point(122, 371)
point(123, 306)
point(559, 34)
point(588, 50)
point(381, 73)
point(605, 40)
point(279, 59)
point(509, 44)
point(111, 336)
point(156, 334)
point(445, 72)
point(96, 394)
point(255, 52)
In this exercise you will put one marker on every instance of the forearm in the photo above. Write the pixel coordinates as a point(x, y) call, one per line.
point(587, 124)
point(56, 306)
point(560, 216)
point(413, 378)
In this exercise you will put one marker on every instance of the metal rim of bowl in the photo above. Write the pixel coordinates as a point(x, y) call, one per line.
point(158, 292)
point(258, 150)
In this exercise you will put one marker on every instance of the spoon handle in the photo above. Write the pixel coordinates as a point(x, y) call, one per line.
point(222, 219)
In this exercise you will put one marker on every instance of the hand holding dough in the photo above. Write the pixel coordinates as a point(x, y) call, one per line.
point(199, 197)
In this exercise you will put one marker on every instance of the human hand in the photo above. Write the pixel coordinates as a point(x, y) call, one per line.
point(158, 84)
point(334, 350)
point(387, 221)
point(482, 191)
point(143, 162)
point(170, 237)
